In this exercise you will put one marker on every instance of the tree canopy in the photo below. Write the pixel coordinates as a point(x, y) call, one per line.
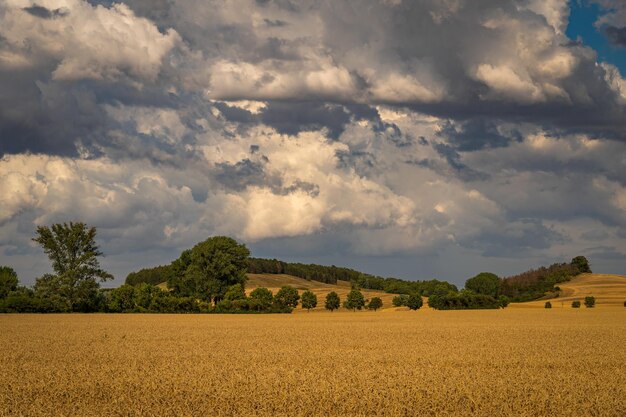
point(287, 296)
point(333, 302)
point(414, 302)
point(484, 283)
point(582, 264)
point(74, 256)
point(208, 269)
point(8, 281)
point(355, 300)
point(375, 303)
point(309, 300)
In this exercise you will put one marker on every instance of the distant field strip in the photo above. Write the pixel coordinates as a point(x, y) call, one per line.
point(609, 291)
point(524, 362)
point(342, 288)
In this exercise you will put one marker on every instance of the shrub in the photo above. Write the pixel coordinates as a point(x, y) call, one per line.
point(375, 303)
point(399, 300)
point(504, 301)
point(548, 304)
point(241, 304)
point(575, 304)
point(590, 301)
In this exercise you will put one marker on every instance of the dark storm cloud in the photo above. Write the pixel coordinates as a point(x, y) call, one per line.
point(477, 134)
point(53, 117)
point(617, 36)
point(45, 13)
point(247, 173)
point(605, 252)
point(291, 118)
point(515, 239)
point(275, 23)
point(453, 166)
point(394, 44)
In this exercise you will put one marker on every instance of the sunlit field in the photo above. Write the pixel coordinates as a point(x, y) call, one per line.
point(488, 363)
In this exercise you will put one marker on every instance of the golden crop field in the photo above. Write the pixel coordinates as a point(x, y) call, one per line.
point(609, 291)
point(523, 362)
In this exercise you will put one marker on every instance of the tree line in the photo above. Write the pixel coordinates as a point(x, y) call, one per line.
point(211, 277)
point(208, 278)
point(311, 272)
point(488, 291)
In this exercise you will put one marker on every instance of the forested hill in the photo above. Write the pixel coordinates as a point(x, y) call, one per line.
point(537, 283)
point(321, 273)
point(331, 274)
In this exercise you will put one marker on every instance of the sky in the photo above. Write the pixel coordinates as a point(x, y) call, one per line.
point(417, 139)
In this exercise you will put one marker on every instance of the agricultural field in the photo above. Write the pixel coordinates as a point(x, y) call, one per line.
point(398, 363)
point(609, 291)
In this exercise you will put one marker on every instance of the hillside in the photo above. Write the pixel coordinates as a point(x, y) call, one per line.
point(274, 281)
point(609, 290)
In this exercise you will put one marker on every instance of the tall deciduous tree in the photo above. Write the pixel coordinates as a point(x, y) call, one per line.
point(208, 269)
point(73, 252)
point(485, 283)
point(8, 281)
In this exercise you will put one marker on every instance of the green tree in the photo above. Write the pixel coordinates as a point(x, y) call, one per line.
point(333, 302)
point(235, 292)
point(262, 295)
point(261, 299)
point(548, 304)
point(208, 269)
point(575, 304)
point(375, 303)
point(485, 283)
point(74, 255)
point(581, 263)
point(399, 300)
point(8, 281)
point(504, 301)
point(309, 300)
point(145, 294)
point(355, 300)
point(414, 302)
point(122, 299)
point(287, 296)
point(590, 301)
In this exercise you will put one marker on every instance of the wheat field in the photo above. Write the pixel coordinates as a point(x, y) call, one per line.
point(433, 363)
point(609, 291)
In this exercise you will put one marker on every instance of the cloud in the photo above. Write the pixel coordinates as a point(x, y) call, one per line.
point(617, 36)
point(395, 128)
